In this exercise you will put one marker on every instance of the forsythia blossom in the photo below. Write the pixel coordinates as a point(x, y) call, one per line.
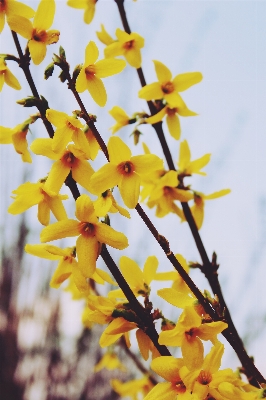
point(93, 70)
point(7, 77)
point(37, 31)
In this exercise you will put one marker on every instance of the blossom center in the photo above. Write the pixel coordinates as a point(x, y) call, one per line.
point(168, 87)
point(191, 334)
point(2, 5)
point(128, 45)
point(68, 159)
point(87, 229)
point(171, 111)
point(125, 168)
point(39, 36)
point(90, 71)
point(204, 377)
point(180, 387)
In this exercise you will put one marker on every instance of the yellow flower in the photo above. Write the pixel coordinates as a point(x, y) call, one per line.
point(128, 45)
point(115, 330)
point(168, 368)
point(166, 88)
point(106, 203)
point(66, 128)
point(29, 194)
point(109, 361)
point(165, 193)
point(188, 333)
point(178, 282)
point(198, 208)
point(205, 378)
point(66, 257)
point(104, 36)
point(124, 171)
point(17, 136)
point(188, 167)
point(138, 280)
point(9, 8)
point(7, 77)
point(121, 117)
point(90, 234)
point(93, 70)
point(70, 159)
point(87, 5)
point(172, 119)
point(37, 32)
point(133, 387)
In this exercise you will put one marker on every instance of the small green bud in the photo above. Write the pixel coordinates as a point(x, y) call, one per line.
point(30, 101)
point(62, 53)
point(49, 71)
point(62, 76)
point(76, 72)
point(136, 134)
point(56, 59)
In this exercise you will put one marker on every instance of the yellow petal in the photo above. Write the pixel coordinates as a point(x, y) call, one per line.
point(173, 124)
point(43, 213)
point(57, 176)
point(106, 234)
point(184, 81)
point(52, 36)
point(89, 13)
point(150, 268)
point(11, 80)
point(215, 195)
point(152, 91)
point(105, 178)
point(212, 361)
point(129, 188)
point(44, 15)
point(87, 252)
point(85, 210)
point(208, 331)
point(104, 36)
point(81, 82)
point(62, 272)
point(118, 150)
point(167, 367)
point(81, 172)
point(91, 53)
point(59, 230)
point(17, 8)
point(162, 391)
point(109, 67)
point(177, 299)
point(143, 343)
point(5, 135)
point(163, 73)
point(44, 147)
point(146, 163)
point(131, 272)
point(193, 353)
point(37, 51)
point(56, 206)
point(133, 57)
point(157, 117)
point(97, 90)
point(21, 25)
point(40, 250)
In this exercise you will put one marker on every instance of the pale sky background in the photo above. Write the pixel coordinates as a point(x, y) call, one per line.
point(226, 41)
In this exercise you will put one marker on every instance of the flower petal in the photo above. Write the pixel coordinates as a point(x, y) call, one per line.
point(43, 213)
point(21, 25)
point(163, 73)
point(118, 150)
point(105, 178)
point(81, 172)
point(184, 81)
point(59, 230)
point(146, 163)
point(44, 15)
point(91, 53)
point(151, 92)
point(11, 80)
point(37, 51)
point(57, 176)
point(173, 124)
point(157, 117)
point(97, 90)
point(129, 188)
point(106, 234)
point(40, 250)
point(81, 82)
point(87, 252)
point(109, 67)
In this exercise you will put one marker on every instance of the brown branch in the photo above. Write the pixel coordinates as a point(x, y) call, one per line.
point(230, 333)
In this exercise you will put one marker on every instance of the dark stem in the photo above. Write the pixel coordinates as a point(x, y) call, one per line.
point(24, 63)
point(141, 312)
point(230, 333)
